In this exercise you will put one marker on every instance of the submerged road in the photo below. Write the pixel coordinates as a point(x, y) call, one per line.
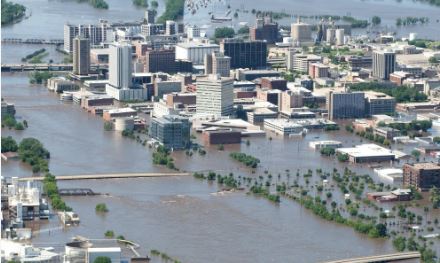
point(104, 176)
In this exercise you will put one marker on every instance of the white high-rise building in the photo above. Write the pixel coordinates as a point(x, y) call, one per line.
point(120, 66)
point(170, 28)
point(215, 95)
point(193, 32)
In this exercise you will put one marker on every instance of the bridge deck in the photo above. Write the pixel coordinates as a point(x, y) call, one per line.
point(104, 176)
point(380, 258)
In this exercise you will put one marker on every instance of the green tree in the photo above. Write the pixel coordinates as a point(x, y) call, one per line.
point(224, 32)
point(376, 20)
point(11, 12)
point(399, 243)
point(102, 259)
point(9, 144)
point(141, 3)
point(434, 195)
point(101, 208)
point(433, 60)
point(109, 234)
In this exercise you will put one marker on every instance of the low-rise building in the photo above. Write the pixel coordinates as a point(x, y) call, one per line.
point(7, 109)
point(317, 145)
point(386, 132)
point(221, 136)
point(422, 176)
point(379, 103)
point(283, 127)
point(367, 153)
point(259, 115)
point(171, 131)
point(118, 113)
point(60, 84)
point(390, 175)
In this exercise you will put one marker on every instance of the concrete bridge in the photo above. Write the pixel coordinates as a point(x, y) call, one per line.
point(76, 191)
point(381, 258)
point(46, 67)
point(104, 176)
point(38, 41)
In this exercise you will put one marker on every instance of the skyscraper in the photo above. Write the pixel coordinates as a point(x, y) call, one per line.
point(384, 63)
point(81, 56)
point(215, 95)
point(97, 34)
point(245, 54)
point(217, 63)
point(120, 66)
point(149, 16)
point(345, 105)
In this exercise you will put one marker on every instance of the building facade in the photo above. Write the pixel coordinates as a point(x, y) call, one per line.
point(245, 54)
point(97, 34)
point(422, 176)
point(81, 56)
point(345, 105)
point(172, 131)
point(217, 63)
point(215, 95)
point(384, 63)
point(120, 66)
point(195, 52)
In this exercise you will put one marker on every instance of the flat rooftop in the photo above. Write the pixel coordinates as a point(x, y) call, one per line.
point(196, 44)
point(122, 110)
point(425, 166)
point(367, 150)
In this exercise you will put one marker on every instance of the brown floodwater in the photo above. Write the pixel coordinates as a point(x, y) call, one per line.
point(181, 216)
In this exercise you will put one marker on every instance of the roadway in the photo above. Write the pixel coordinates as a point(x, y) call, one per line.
point(380, 258)
point(104, 176)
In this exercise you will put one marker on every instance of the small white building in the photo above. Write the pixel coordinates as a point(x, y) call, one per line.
point(317, 145)
point(283, 127)
point(390, 175)
point(19, 252)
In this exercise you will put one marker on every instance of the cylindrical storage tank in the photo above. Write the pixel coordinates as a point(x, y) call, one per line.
point(339, 36)
point(122, 124)
point(412, 36)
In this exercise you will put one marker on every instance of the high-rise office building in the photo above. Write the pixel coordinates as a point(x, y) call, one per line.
point(170, 27)
point(161, 60)
point(265, 29)
point(149, 16)
point(301, 62)
point(120, 66)
point(245, 54)
point(217, 63)
point(171, 131)
point(345, 105)
point(81, 56)
point(193, 32)
point(97, 34)
point(301, 33)
point(215, 95)
point(384, 63)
